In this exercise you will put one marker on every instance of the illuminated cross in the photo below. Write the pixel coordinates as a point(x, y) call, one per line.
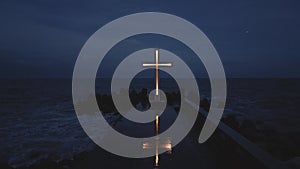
point(156, 64)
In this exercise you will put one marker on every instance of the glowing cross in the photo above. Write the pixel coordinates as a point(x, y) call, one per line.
point(156, 64)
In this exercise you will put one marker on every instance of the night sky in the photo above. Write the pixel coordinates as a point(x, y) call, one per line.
point(254, 38)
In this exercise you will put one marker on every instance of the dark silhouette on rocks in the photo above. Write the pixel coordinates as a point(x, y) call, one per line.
point(143, 95)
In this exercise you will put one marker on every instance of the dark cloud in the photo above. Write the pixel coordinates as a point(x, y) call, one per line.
point(254, 38)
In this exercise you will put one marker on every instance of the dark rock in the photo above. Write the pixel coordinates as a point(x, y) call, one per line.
point(5, 166)
point(143, 95)
point(231, 121)
point(205, 104)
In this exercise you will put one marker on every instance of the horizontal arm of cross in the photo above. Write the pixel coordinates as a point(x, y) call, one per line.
point(153, 64)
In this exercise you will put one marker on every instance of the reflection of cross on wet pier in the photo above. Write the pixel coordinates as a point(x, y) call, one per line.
point(160, 143)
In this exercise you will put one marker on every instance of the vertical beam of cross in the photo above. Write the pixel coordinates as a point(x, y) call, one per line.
point(156, 71)
point(156, 65)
